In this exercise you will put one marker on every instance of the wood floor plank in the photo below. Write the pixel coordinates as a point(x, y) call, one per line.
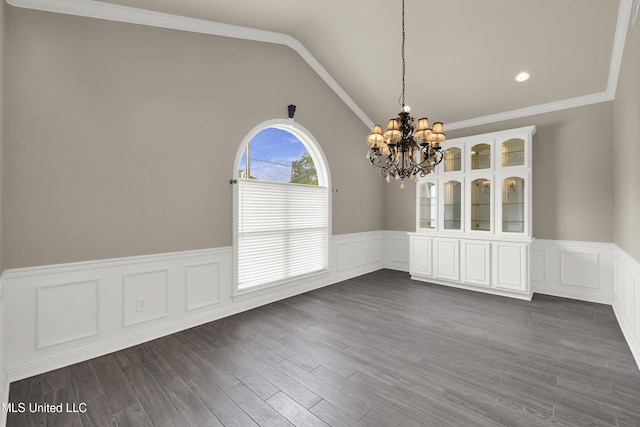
point(87, 391)
point(157, 405)
point(377, 398)
point(66, 416)
point(333, 416)
point(194, 412)
point(295, 413)
point(26, 392)
point(375, 350)
point(286, 384)
point(115, 386)
point(256, 408)
point(132, 416)
point(219, 403)
point(353, 407)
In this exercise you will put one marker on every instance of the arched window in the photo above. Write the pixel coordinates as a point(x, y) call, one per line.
point(282, 206)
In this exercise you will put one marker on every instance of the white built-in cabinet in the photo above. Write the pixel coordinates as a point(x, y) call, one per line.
point(473, 219)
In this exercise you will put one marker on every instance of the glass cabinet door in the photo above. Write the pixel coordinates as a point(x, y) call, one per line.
point(481, 204)
point(513, 152)
point(481, 156)
point(452, 205)
point(513, 205)
point(428, 205)
point(452, 159)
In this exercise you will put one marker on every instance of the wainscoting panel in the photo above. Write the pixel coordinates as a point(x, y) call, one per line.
point(356, 254)
point(626, 303)
point(186, 289)
point(146, 296)
point(396, 250)
point(361, 252)
point(202, 285)
point(374, 250)
point(578, 270)
point(538, 265)
point(67, 312)
point(344, 255)
point(73, 312)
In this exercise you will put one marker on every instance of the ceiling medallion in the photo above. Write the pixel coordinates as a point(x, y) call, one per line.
point(404, 151)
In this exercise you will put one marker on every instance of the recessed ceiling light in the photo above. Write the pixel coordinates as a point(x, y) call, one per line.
point(523, 76)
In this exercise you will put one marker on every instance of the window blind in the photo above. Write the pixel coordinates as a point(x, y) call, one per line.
point(282, 231)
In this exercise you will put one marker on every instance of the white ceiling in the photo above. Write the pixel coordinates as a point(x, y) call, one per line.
point(461, 55)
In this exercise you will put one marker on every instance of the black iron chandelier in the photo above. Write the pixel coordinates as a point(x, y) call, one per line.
point(404, 151)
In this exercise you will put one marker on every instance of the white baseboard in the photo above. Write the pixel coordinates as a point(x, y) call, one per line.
point(473, 288)
point(68, 313)
point(577, 270)
point(626, 302)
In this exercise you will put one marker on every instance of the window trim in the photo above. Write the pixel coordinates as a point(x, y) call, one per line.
point(324, 180)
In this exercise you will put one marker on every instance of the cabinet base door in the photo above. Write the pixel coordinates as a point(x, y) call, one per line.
point(420, 261)
point(476, 263)
point(447, 258)
point(511, 266)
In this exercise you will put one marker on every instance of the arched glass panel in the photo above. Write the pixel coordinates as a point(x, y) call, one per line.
point(428, 205)
point(481, 156)
point(452, 159)
point(513, 152)
point(513, 205)
point(277, 155)
point(481, 204)
point(452, 205)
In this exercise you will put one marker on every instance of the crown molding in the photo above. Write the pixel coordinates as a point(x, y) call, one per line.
point(622, 24)
point(531, 111)
point(113, 12)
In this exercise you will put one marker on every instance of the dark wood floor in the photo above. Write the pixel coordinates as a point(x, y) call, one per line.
point(378, 350)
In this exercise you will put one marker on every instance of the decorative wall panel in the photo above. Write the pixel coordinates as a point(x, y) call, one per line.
point(202, 285)
point(146, 296)
point(67, 312)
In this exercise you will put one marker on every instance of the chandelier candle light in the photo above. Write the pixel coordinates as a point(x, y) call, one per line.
point(403, 151)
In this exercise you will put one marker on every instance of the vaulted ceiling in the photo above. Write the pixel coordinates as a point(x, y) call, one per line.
point(461, 55)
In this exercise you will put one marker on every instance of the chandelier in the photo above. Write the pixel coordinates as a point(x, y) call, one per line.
point(404, 151)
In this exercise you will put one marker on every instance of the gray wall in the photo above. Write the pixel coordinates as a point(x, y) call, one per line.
point(572, 175)
point(121, 139)
point(2, 167)
point(626, 151)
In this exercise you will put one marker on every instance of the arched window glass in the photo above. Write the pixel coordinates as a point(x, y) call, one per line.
point(282, 206)
point(278, 155)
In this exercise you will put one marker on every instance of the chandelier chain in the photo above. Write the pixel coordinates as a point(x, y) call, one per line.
point(403, 62)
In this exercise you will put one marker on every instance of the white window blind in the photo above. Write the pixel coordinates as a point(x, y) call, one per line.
point(282, 231)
